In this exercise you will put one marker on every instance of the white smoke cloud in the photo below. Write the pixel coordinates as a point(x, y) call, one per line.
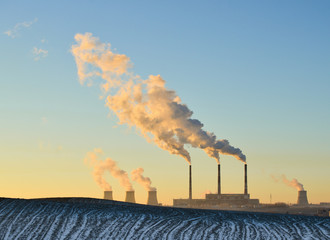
point(139, 178)
point(98, 169)
point(146, 104)
point(100, 166)
point(293, 183)
point(14, 32)
point(39, 53)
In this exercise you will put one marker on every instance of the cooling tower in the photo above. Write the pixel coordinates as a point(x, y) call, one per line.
point(190, 184)
point(130, 196)
point(108, 195)
point(219, 182)
point(152, 198)
point(245, 179)
point(302, 198)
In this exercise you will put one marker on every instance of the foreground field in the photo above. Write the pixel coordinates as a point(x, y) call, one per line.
point(79, 218)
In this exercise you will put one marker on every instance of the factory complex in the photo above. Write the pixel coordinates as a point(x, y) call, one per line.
point(218, 199)
point(237, 201)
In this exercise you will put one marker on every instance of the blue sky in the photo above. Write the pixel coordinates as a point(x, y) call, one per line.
point(255, 73)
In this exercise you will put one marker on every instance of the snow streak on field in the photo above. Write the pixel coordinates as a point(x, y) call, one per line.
point(98, 219)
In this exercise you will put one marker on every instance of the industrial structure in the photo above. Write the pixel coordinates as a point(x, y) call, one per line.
point(218, 199)
point(152, 198)
point(108, 195)
point(130, 196)
point(302, 198)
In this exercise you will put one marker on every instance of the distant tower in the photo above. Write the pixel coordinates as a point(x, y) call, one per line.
point(108, 195)
point(130, 196)
point(219, 181)
point(152, 198)
point(190, 184)
point(302, 198)
point(245, 180)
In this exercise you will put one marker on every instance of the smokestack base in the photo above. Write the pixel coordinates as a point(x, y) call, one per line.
point(108, 195)
point(152, 198)
point(130, 196)
point(302, 198)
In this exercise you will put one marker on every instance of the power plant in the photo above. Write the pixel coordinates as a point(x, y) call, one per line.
point(152, 198)
point(238, 201)
point(130, 196)
point(302, 198)
point(108, 195)
point(218, 199)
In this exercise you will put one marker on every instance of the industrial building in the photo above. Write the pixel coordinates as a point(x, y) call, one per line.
point(152, 198)
point(302, 198)
point(130, 197)
point(218, 199)
point(108, 195)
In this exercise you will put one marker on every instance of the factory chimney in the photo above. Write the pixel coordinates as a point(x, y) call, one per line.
point(219, 181)
point(108, 195)
point(152, 198)
point(130, 197)
point(190, 185)
point(302, 198)
point(245, 180)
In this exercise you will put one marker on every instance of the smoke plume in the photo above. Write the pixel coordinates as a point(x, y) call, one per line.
point(139, 178)
point(146, 104)
point(293, 183)
point(99, 167)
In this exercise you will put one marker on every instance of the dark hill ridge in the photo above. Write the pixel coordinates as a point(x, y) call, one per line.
point(85, 218)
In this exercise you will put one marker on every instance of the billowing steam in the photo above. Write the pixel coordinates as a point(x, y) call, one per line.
point(99, 167)
point(146, 104)
point(293, 183)
point(139, 178)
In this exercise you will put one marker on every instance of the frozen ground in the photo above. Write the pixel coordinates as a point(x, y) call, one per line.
point(80, 218)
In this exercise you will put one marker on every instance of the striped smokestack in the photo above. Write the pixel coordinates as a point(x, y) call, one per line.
point(219, 181)
point(245, 179)
point(190, 184)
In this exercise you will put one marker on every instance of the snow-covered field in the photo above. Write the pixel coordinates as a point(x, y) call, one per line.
point(99, 219)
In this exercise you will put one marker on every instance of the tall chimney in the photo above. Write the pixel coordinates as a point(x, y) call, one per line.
point(302, 198)
point(190, 184)
point(152, 198)
point(108, 195)
point(219, 182)
point(245, 180)
point(130, 197)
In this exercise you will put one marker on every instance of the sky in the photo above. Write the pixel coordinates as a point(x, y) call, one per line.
point(255, 73)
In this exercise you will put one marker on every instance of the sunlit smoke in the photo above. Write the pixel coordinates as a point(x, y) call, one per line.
point(293, 183)
point(99, 168)
point(148, 105)
point(139, 178)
